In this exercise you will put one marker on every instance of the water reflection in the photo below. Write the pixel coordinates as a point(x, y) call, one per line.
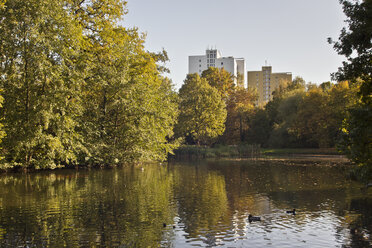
point(200, 203)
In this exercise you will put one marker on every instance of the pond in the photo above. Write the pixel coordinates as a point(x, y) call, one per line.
point(189, 204)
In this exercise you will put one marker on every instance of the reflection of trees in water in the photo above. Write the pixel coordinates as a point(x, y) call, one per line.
point(129, 206)
point(359, 219)
point(257, 187)
point(202, 201)
point(106, 208)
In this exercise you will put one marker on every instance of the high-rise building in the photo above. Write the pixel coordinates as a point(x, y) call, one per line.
point(266, 82)
point(213, 58)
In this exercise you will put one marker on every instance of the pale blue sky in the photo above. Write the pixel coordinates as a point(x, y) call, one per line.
point(290, 34)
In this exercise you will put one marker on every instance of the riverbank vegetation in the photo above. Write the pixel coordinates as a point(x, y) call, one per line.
point(79, 89)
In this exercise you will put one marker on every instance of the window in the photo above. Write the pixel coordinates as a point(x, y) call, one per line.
point(199, 60)
point(221, 63)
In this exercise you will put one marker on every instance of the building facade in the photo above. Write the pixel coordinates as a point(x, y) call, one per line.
point(266, 82)
point(213, 58)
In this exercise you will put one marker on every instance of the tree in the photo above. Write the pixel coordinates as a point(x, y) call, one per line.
point(312, 121)
point(202, 111)
point(2, 132)
point(281, 112)
point(355, 43)
point(79, 88)
point(41, 83)
point(240, 106)
point(220, 79)
point(130, 107)
point(259, 128)
point(322, 111)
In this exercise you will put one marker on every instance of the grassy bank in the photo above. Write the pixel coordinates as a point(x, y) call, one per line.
point(219, 151)
point(299, 151)
point(244, 151)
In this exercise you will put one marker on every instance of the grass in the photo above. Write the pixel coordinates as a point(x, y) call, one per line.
point(245, 151)
point(297, 151)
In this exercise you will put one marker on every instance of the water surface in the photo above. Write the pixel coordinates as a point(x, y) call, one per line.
point(202, 204)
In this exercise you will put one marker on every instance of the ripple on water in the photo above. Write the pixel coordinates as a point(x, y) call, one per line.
point(208, 204)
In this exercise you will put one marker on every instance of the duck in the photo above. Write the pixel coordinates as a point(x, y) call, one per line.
point(164, 225)
point(253, 218)
point(291, 211)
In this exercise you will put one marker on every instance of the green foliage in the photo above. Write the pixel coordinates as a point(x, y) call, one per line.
point(259, 128)
point(282, 113)
point(357, 138)
point(220, 79)
point(78, 88)
point(313, 119)
point(355, 43)
point(217, 151)
point(240, 108)
point(39, 42)
point(2, 132)
point(297, 117)
point(202, 111)
point(130, 107)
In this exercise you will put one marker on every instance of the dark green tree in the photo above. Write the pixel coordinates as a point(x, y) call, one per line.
point(356, 45)
point(355, 42)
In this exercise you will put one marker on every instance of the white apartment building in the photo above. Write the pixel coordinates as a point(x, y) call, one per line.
point(213, 58)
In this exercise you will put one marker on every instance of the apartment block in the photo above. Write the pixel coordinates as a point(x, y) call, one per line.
point(213, 58)
point(265, 81)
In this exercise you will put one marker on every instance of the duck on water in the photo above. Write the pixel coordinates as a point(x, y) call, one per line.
point(253, 218)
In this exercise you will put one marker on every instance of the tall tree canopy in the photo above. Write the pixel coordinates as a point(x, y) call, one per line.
point(240, 107)
point(355, 42)
point(220, 79)
point(78, 87)
point(202, 110)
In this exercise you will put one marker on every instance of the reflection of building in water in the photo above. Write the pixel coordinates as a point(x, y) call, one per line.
point(266, 82)
point(213, 58)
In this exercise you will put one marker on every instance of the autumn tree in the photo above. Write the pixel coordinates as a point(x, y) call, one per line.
point(202, 111)
point(355, 42)
point(220, 79)
point(281, 112)
point(240, 107)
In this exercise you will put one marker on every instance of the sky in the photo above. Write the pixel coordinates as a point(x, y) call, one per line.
point(291, 35)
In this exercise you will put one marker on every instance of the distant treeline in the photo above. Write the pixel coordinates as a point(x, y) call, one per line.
point(300, 115)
